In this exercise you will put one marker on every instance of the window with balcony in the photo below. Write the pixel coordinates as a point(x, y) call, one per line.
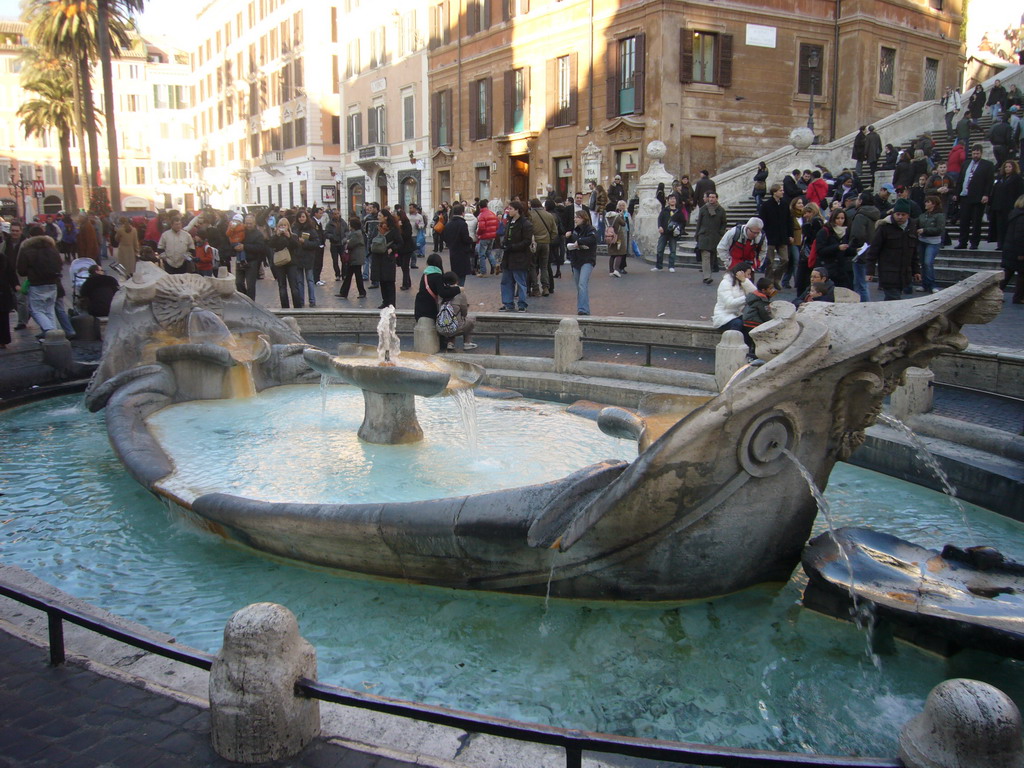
point(705, 57)
point(480, 109)
point(625, 81)
point(517, 92)
point(887, 71)
point(562, 84)
point(375, 124)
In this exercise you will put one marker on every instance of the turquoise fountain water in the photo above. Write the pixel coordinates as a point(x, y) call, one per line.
point(751, 669)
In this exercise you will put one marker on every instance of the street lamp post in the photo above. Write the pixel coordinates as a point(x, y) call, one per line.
point(17, 186)
point(812, 64)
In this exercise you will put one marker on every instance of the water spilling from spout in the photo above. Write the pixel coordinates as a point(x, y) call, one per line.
point(465, 400)
point(862, 615)
point(388, 343)
point(205, 327)
point(930, 461)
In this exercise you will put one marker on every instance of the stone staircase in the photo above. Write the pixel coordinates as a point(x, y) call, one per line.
point(951, 265)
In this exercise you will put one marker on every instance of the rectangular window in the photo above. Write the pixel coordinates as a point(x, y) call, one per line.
point(300, 131)
point(705, 57)
point(625, 81)
point(335, 76)
point(378, 53)
point(931, 79)
point(483, 183)
point(140, 174)
point(562, 86)
point(375, 133)
point(515, 99)
point(444, 185)
point(297, 28)
point(353, 63)
point(408, 116)
point(441, 118)
point(334, 25)
point(286, 39)
point(812, 63)
point(335, 129)
point(354, 131)
point(408, 36)
point(478, 16)
point(480, 109)
point(440, 27)
point(288, 135)
point(887, 71)
point(133, 102)
point(512, 8)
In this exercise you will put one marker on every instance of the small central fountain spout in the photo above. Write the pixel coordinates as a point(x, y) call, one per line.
point(388, 344)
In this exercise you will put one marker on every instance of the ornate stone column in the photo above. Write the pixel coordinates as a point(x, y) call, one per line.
point(645, 223)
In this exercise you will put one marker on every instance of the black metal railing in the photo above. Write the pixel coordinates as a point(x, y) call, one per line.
point(573, 742)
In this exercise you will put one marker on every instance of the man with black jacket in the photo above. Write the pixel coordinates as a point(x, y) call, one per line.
point(892, 254)
point(778, 231)
point(973, 190)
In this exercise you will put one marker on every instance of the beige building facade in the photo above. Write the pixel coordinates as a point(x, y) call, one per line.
point(385, 103)
point(536, 95)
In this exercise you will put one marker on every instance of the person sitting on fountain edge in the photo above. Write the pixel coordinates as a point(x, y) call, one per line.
point(463, 323)
point(433, 291)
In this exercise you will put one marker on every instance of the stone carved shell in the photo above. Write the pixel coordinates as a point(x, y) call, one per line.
point(177, 295)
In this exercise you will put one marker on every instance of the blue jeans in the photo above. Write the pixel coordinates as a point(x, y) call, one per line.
point(484, 255)
point(41, 305)
point(860, 281)
point(927, 253)
point(307, 282)
point(581, 276)
point(509, 279)
point(664, 240)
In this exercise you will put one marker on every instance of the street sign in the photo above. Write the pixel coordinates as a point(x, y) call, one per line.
point(38, 187)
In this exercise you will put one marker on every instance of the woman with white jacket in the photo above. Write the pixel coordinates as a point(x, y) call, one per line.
point(732, 297)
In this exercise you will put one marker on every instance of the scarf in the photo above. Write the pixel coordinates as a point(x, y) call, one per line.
point(432, 271)
point(840, 231)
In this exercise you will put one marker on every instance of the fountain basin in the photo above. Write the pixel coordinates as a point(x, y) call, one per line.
point(944, 601)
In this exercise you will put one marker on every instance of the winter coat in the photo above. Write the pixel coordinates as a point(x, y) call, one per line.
point(336, 232)
point(932, 224)
point(756, 310)
point(88, 242)
point(585, 237)
point(545, 228)
point(862, 227)
point(40, 261)
point(872, 147)
point(997, 95)
point(279, 242)
point(127, 240)
point(838, 262)
point(860, 146)
point(893, 255)
point(775, 215)
point(1013, 241)
point(486, 224)
point(617, 221)
point(711, 226)
point(309, 248)
point(1001, 133)
point(255, 247)
point(383, 265)
point(731, 299)
point(9, 281)
point(1005, 192)
point(356, 244)
point(426, 305)
point(460, 245)
point(976, 104)
point(760, 182)
point(516, 246)
point(903, 175)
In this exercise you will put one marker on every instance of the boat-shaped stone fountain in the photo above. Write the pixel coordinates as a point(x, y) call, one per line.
point(710, 505)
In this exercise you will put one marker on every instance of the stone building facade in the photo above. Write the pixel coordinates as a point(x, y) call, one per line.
point(532, 95)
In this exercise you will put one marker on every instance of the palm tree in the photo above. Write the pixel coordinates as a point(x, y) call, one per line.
point(70, 29)
point(51, 108)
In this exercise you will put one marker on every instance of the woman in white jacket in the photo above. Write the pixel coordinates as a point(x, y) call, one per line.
point(732, 297)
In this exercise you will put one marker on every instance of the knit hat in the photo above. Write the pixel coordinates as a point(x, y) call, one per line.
point(902, 206)
point(237, 217)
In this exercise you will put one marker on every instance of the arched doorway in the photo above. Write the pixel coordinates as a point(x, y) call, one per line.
point(382, 189)
point(409, 189)
point(519, 177)
point(356, 198)
point(52, 204)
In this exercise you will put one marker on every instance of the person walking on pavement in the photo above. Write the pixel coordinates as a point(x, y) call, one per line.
point(671, 225)
point(711, 226)
point(40, 263)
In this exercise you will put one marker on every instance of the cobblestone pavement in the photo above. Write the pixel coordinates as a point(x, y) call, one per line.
point(70, 717)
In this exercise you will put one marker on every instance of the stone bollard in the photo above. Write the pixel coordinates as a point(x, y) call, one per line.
point(965, 724)
point(86, 327)
point(424, 337)
point(255, 715)
point(568, 344)
point(57, 352)
point(915, 395)
point(730, 356)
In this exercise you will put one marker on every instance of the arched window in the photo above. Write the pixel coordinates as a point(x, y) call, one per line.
point(52, 204)
point(410, 191)
point(356, 198)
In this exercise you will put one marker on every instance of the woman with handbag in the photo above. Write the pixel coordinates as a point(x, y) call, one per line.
point(352, 259)
point(760, 185)
point(283, 265)
point(581, 245)
point(305, 258)
point(433, 291)
point(384, 249)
